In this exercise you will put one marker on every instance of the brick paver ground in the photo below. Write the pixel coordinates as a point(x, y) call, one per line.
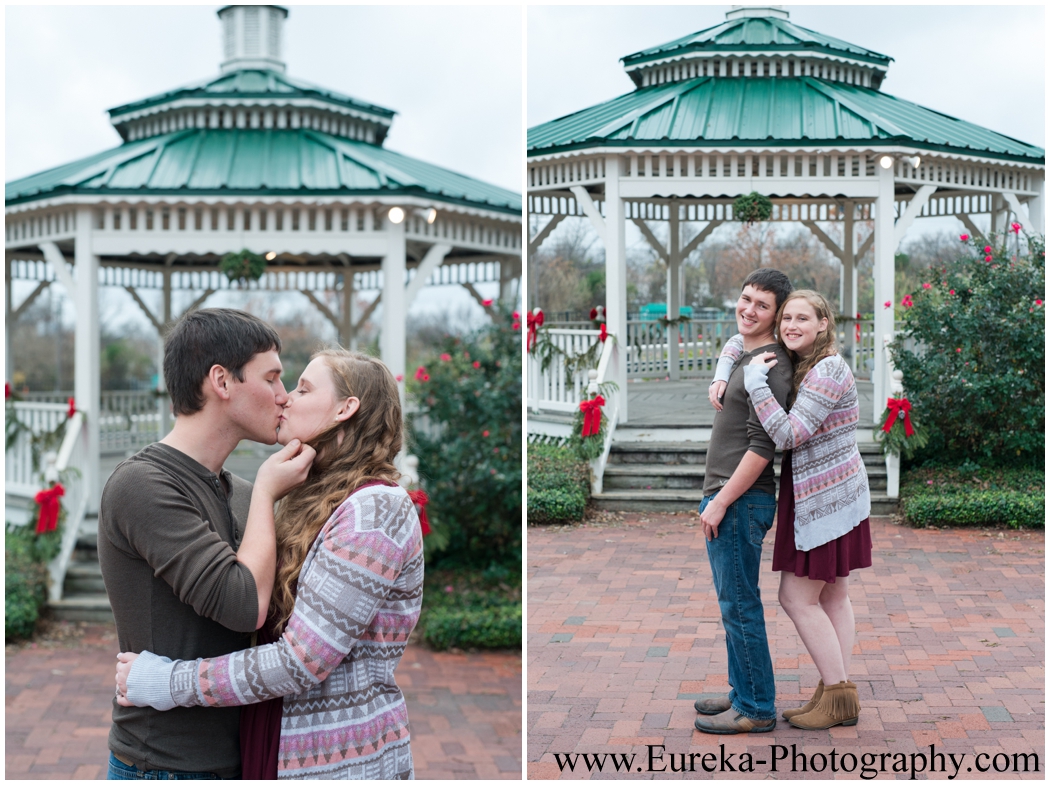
point(624, 634)
point(465, 710)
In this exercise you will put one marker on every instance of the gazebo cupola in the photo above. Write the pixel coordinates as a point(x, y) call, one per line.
point(757, 41)
point(252, 91)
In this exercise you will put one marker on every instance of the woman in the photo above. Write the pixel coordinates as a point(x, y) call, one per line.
point(346, 597)
point(822, 514)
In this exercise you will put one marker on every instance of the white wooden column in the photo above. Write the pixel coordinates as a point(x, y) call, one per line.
point(848, 301)
point(616, 273)
point(392, 337)
point(884, 285)
point(674, 291)
point(87, 377)
point(9, 321)
point(1037, 204)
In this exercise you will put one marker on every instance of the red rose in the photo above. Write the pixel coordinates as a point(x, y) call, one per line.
point(988, 258)
point(421, 372)
point(446, 358)
point(964, 237)
point(988, 249)
point(486, 303)
point(477, 364)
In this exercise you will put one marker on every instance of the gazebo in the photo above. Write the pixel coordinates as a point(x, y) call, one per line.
point(759, 104)
point(251, 159)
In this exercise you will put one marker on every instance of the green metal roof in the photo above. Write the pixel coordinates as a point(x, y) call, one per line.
point(258, 162)
point(764, 33)
point(249, 84)
point(804, 111)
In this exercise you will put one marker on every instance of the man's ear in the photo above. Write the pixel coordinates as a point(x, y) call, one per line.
point(348, 409)
point(217, 382)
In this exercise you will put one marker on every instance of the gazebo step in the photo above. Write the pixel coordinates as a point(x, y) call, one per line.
point(83, 607)
point(689, 476)
point(679, 500)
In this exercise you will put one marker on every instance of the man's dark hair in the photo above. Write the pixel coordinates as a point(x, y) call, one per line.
point(212, 336)
point(770, 280)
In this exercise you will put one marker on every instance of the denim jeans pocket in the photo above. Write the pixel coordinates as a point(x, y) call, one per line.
point(760, 520)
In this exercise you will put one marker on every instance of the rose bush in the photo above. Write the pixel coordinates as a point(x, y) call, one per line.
point(972, 353)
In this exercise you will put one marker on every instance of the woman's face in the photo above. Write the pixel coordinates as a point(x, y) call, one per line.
point(799, 326)
point(313, 406)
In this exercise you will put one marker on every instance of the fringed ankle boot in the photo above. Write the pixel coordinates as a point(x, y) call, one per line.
point(789, 713)
point(839, 705)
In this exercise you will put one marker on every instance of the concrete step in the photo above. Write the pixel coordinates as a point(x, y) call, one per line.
point(83, 577)
point(683, 500)
point(83, 607)
point(652, 476)
point(677, 452)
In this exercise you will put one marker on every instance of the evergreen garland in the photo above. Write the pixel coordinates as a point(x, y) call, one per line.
point(243, 265)
point(752, 207)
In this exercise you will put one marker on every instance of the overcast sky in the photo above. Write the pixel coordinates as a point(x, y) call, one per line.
point(984, 64)
point(453, 75)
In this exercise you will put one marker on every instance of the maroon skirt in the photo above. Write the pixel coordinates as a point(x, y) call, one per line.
point(833, 559)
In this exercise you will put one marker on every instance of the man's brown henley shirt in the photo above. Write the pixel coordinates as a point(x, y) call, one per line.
point(168, 531)
point(737, 429)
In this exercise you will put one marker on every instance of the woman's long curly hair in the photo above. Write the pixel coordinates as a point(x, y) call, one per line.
point(371, 439)
point(824, 346)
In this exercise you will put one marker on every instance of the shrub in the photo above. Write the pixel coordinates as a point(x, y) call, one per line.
point(467, 435)
point(25, 580)
point(972, 354)
point(973, 496)
point(559, 484)
point(471, 611)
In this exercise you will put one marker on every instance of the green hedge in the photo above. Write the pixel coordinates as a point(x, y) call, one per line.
point(974, 496)
point(559, 485)
point(25, 580)
point(491, 628)
point(471, 610)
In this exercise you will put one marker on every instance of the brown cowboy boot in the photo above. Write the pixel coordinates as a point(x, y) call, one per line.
point(789, 713)
point(839, 705)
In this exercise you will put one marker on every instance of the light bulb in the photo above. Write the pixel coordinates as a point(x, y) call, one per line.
point(271, 256)
point(914, 161)
point(432, 215)
point(396, 215)
point(886, 161)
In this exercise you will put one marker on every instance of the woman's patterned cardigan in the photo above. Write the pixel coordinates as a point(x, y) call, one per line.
point(359, 596)
point(827, 473)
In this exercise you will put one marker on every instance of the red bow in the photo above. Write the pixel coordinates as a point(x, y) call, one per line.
point(858, 328)
point(72, 408)
point(898, 406)
point(49, 505)
point(420, 499)
point(603, 333)
point(592, 415)
point(533, 321)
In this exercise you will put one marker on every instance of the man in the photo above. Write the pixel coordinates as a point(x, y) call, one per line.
point(737, 511)
point(170, 522)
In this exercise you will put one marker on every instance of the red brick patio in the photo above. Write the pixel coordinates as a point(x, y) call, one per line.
point(465, 710)
point(623, 635)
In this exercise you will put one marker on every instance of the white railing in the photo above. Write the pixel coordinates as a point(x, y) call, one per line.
point(130, 419)
point(648, 354)
point(22, 480)
point(607, 370)
point(550, 389)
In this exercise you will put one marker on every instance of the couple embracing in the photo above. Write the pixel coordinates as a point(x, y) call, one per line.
point(299, 617)
point(781, 383)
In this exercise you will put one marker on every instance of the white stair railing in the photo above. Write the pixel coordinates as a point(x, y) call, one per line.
point(23, 481)
point(549, 389)
point(607, 369)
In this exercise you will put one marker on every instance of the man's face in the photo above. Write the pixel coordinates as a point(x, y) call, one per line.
point(256, 403)
point(756, 310)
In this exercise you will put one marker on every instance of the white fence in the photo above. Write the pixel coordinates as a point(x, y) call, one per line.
point(648, 354)
point(551, 389)
point(130, 419)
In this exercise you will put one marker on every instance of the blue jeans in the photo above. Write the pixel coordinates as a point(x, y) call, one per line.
point(118, 770)
point(735, 556)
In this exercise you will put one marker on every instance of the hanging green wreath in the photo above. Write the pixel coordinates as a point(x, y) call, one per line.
point(590, 447)
point(903, 438)
point(243, 265)
point(752, 207)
